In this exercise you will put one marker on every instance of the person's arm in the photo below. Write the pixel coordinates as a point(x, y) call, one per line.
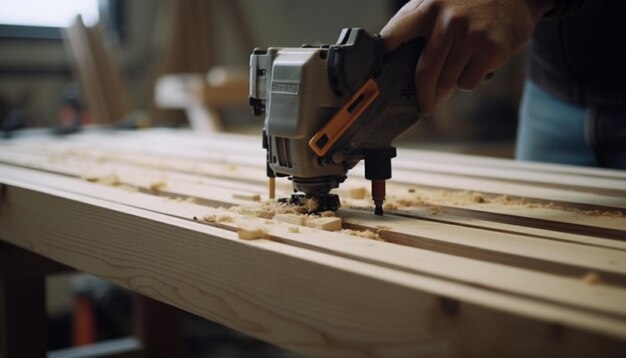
point(562, 8)
point(465, 40)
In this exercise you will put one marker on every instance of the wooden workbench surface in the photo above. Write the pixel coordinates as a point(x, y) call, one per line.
point(474, 256)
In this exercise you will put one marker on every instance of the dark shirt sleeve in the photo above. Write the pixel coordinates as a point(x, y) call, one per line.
point(563, 8)
point(579, 57)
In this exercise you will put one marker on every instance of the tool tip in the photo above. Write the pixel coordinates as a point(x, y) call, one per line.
point(378, 210)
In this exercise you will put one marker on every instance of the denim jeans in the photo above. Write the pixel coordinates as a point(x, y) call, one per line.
point(554, 131)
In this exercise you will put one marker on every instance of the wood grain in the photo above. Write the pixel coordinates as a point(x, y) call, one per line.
point(468, 278)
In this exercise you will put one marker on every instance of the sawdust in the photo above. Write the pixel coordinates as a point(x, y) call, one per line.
point(251, 232)
point(310, 205)
point(435, 199)
point(294, 229)
point(366, 234)
point(248, 197)
point(592, 278)
point(157, 186)
point(390, 206)
point(212, 218)
point(324, 223)
point(110, 179)
point(269, 208)
point(295, 219)
point(358, 193)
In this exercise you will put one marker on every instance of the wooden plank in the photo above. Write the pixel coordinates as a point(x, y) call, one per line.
point(559, 196)
point(440, 216)
point(528, 252)
point(459, 269)
point(548, 217)
point(464, 267)
point(565, 198)
point(509, 249)
point(79, 48)
point(504, 164)
point(607, 186)
point(346, 308)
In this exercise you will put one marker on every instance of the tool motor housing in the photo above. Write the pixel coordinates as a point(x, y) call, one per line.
point(291, 86)
point(299, 90)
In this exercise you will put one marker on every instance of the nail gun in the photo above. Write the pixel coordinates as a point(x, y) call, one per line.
point(328, 107)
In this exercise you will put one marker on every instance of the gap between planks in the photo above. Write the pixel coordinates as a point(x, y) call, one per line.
point(599, 299)
point(389, 312)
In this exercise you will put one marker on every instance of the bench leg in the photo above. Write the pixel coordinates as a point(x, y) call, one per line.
point(23, 318)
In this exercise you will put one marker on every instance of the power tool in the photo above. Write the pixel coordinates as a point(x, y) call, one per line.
point(328, 107)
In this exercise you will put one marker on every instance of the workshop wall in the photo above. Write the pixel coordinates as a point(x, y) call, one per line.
point(34, 73)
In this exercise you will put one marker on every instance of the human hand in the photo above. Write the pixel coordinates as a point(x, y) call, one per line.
point(465, 40)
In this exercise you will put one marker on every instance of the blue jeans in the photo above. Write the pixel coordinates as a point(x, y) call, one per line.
point(555, 131)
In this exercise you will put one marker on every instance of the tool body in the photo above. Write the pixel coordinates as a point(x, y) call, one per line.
point(328, 107)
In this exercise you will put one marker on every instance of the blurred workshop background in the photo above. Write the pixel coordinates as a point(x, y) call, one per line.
point(166, 63)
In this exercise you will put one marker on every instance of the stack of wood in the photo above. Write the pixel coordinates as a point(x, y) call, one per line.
point(474, 256)
point(99, 77)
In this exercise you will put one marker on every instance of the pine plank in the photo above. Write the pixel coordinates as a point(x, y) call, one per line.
point(460, 275)
point(571, 292)
point(362, 309)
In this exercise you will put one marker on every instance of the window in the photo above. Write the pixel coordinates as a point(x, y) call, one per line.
point(46, 13)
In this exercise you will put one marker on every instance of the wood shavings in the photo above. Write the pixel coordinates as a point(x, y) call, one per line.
point(157, 186)
point(259, 212)
point(294, 229)
point(327, 214)
point(247, 232)
point(591, 278)
point(436, 210)
point(109, 179)
point(294, 219)
point(404, 202)
point(477, 198)
point(248, 197)
point(358, 193)
point(268, 209)
point(310, 204)
point(212, 218)
point(366, 234)
point(325, 223)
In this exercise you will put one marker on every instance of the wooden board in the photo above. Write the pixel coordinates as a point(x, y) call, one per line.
point(427, 279)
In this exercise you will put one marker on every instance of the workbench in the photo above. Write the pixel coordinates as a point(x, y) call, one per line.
point(474, 256)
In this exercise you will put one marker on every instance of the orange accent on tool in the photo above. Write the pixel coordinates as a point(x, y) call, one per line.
point(324, 139)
